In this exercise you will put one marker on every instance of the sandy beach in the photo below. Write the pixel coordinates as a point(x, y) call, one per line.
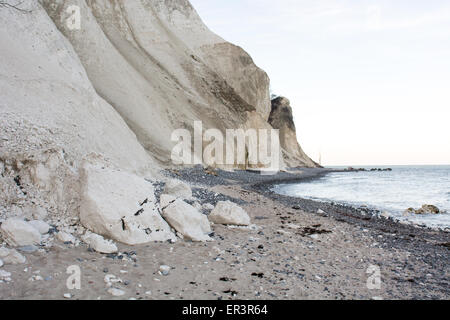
point(295, 249)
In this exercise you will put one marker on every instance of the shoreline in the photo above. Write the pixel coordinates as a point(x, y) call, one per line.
point(290, 252)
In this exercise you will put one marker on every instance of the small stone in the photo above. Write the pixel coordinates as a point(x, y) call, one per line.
point(5, 275)
point(208, 207)
point(66, 237)
point(148, 293)
point(1, 263)
point(229, 213)
point(67, 295)
point(99, 244)
point(164, 270)
point(28, 249)
point(116, 292)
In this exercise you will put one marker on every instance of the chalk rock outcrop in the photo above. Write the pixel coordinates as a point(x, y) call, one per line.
point(188, 221)
point(18, 232)
point(229, 213)
point(120, 206)
point(281, 118)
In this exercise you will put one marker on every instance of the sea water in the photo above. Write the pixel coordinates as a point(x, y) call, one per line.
point(388, 191)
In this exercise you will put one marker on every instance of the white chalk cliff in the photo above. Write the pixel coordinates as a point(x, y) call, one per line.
point(112, 93)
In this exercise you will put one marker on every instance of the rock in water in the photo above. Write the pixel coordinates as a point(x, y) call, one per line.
point(165, 270)
point(19, 233)
point(178, 189)
point(121, 206)
point(99, 244)
point(188, 221)
point(229, 213)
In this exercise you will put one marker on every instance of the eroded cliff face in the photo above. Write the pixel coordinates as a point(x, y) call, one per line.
point(162, 69)
point(113, 91)
point(281, 118)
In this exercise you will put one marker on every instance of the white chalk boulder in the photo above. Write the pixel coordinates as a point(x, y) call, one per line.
point(41, 226)
point(18, 233)
point(11, 256)
point(188, 221)
point(66, 237)
point(178, 189)
point(121, 206)
point(99, 244)
point(229, 213)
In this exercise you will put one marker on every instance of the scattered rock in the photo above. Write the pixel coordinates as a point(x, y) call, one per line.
point(188, 221)
point(1, 263)
point(426, 209)
point(229, 213)
point(19, 233)
point(99, 244)
point(164, 270)
point(5, 276)
point(208, 207)
point(314, 236)
point(178, 189)
point(11, 256)
point(110, 279)
point(67, 295)
point(66, 237)
point(165, 200)
point(197, 206)
point(28, 249)
point(116, 292)
point(41, 226)
point(385, 215)
point(121, 206)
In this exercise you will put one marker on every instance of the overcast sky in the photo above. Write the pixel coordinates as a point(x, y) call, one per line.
point(369, 81)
